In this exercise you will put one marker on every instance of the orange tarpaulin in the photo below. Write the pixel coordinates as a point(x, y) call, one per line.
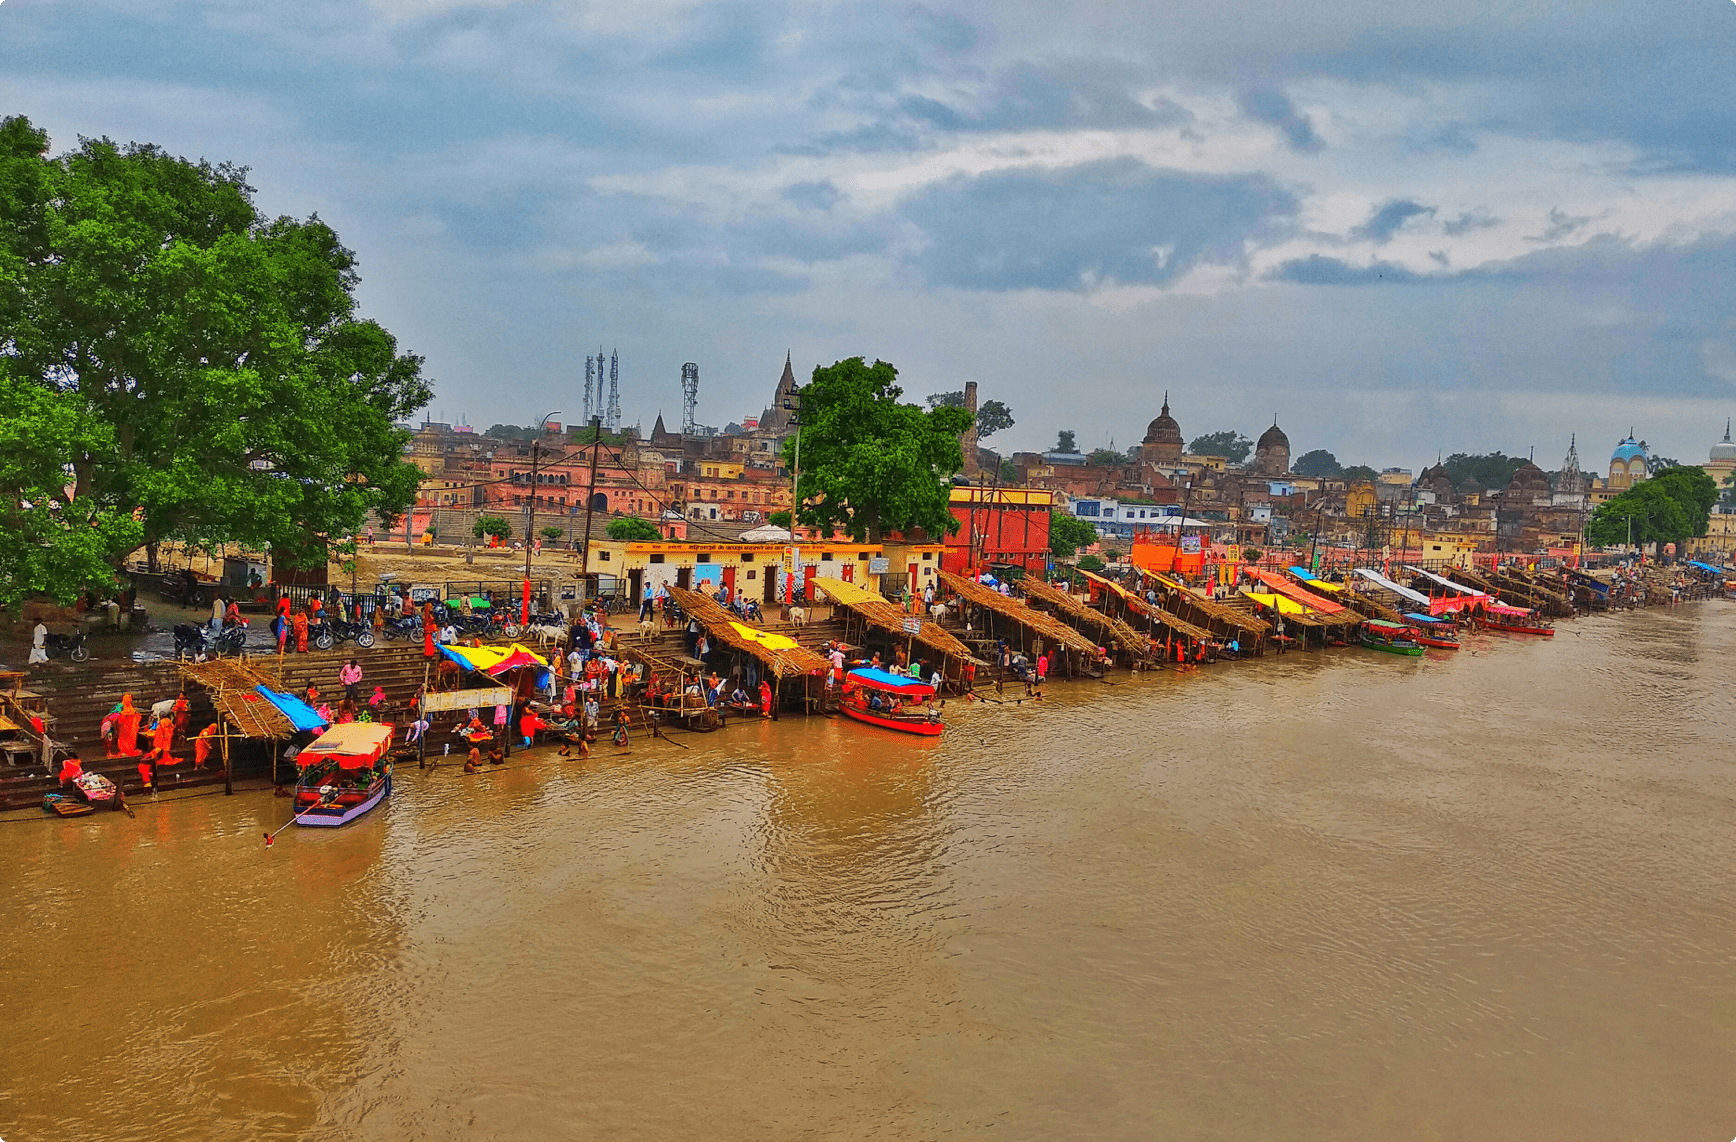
point(1285, 587)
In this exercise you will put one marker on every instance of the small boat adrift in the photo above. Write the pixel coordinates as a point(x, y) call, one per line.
point(345, 772)
point(892, 702)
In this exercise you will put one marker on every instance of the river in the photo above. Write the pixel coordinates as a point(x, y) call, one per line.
point(1341, 895)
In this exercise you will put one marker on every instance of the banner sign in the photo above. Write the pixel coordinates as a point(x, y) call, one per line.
point(466, 699)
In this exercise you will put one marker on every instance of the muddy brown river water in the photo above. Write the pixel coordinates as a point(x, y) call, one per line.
point(1485, 896)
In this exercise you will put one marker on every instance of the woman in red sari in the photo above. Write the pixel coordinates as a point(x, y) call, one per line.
point(427, 629)
point(127, 737)
point(300, 632)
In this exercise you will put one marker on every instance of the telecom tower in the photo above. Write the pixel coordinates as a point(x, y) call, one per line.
point(689, 397)
point(590, 372)
point(612, 418)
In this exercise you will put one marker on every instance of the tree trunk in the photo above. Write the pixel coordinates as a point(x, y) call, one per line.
point(151, 557)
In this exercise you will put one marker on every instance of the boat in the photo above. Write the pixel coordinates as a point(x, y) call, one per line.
point(97, 791)
point(1392, 638)
point(878, 698)
point(1433, 632)
point(1514, 620)
point(345, 772)
point(66, 806)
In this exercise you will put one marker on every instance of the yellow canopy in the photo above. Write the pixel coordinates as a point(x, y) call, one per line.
point(849, 594)
point(1321, 584)
point(765, 638)
point(1285, 606)
point(1113, 586)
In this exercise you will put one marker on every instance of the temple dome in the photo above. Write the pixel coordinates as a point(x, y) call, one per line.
point(1273, 438)
point(1164, 429)
point(1724, 450)
point(1629, 449)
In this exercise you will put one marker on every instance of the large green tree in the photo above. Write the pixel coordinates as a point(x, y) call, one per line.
point(243, 398)
point(52, 542)
point(632, 529)
point(992, 416)
point(869, 462)
point(1319, 462)
point(1692, 488)
point(1068, 533)
point(1229, 444)
point(1644, 514)
point(1494, 470)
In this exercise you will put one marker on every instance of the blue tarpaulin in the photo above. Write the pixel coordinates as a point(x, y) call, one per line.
point(1705, 567)
point(299, 713)
point(883, 680)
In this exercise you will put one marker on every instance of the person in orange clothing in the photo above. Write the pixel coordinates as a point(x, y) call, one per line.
point(202, 743)
point(127, 733)
point(178, 716)
point(301, 632)
point(427, 629)
point(162, 741)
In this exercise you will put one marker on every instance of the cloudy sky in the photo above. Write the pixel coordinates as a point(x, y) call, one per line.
point(1404, 228)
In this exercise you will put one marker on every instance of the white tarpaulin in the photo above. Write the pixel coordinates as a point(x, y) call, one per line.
point(1401, 591)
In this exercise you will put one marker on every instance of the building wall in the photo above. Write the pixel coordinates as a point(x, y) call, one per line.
point(1004, 525)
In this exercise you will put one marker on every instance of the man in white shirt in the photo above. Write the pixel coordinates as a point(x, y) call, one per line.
point(38, 645)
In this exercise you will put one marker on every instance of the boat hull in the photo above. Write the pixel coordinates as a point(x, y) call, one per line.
point(923, 728)
point(1515, 628)
point(1411, 651)
point(331, 816)
point(1437, 643)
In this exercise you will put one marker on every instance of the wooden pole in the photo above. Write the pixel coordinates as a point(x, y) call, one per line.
point(228, 769)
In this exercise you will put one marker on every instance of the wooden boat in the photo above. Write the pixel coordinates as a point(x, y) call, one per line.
point(1433, 632)
point(1515, 620)
point(1392, 638)
point(345, 772)
point(96, 790)
point(879, 698)
point(66, 806)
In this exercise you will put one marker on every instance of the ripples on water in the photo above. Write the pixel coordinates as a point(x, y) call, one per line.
point(1324, 896)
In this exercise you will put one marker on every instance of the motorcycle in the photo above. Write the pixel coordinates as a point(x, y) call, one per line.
point(329, 634)
point(70, 645)
point(196, 642)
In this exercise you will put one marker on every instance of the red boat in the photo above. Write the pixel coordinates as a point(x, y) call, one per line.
point(890, 701)
point(1520, 626)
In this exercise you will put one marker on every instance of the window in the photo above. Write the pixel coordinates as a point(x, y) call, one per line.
point(702, 557)
point(747, 557)
point(927, 555)
point(861, 555)
point(603, 555)
point(657, 557)
point(826, 557)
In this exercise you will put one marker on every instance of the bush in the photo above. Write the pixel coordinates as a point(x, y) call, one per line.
point(1090, 563)
point(632, 529)
point(551, 532)
point(779, 519)
point(491, 525)
point(1251, 554)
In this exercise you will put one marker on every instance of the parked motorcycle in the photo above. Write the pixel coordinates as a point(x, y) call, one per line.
point(329, 634)
point(67, 645)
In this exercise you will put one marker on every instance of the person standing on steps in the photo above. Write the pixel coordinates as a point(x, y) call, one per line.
point(351, 678)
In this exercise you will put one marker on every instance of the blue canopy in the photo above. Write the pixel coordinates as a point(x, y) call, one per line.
point(884, 680)
point(299, 713)
point(1705, 567)
point(1428, 619)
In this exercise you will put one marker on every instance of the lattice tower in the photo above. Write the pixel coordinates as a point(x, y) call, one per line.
point(612, 419)
point(590, 373)
point(689, 397)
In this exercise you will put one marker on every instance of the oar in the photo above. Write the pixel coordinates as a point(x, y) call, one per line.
point(271, 836)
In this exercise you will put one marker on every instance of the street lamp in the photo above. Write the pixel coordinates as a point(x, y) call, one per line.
point(530, 500)
point(793, 406)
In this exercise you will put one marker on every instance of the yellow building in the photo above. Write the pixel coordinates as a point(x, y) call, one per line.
point(741, 570)
point(1449, 547)
point(1360, 500)
point(911, 566)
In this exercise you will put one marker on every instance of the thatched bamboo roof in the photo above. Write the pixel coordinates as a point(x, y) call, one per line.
point(875, 610)
point(232, 686)
point(1155, 616)
point(1180, 599)
point(1073, 611)
point(1028, 617)
point(783, 661)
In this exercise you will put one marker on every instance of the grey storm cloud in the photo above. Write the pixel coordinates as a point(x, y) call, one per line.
point(1319, 270)
point(1114, 220)
point(1388, 218)
point(1275, 109)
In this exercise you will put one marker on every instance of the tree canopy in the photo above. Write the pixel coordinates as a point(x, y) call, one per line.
point(632, 529)
point(1648, 508)
point(1229, 444)
point(1068, 533)
point(228, 389)
point(992, 416)
point(1319, 462)
point(1106, 456)
point(1361, 472)
point(1066, 441)
point(1694, 490)
point(1494, 470)
point(870, 463)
